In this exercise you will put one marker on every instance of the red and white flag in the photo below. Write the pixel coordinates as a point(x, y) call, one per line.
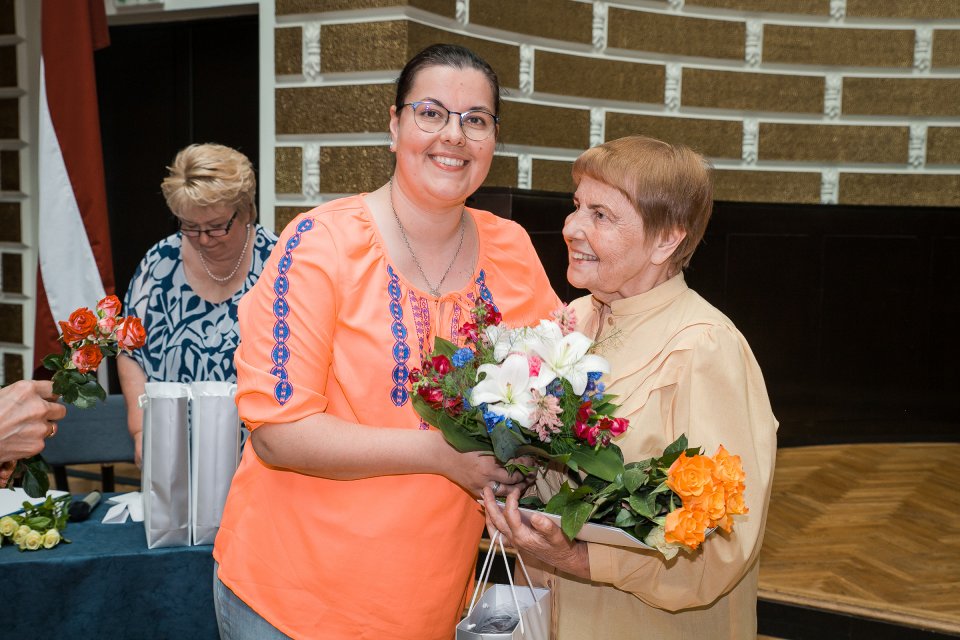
point(76, 267)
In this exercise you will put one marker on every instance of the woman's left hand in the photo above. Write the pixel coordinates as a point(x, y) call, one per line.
point(543, 538)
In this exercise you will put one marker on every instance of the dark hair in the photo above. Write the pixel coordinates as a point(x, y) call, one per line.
point(446, 55)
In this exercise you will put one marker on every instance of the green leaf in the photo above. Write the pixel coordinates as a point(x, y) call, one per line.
point(36, 483)
point(560, 500)
point(532, 502)
point(89, 393)
point(634, 478)
point(53, 362)
point(505, 441)
point(677, 446)
point(607, 463)
point(625, 519)
point(443, 347)
point(643, 505)
point(575, 515)
point(452, 432)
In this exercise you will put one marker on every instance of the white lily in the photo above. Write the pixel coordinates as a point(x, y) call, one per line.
point(565, 356)
point(506, 390)
point(506, 341)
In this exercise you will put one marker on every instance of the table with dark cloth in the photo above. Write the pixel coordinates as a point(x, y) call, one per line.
point(108, 584)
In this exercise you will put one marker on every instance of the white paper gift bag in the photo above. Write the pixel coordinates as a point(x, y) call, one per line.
point(214, 454)
point(165, 479)
point(505, 611)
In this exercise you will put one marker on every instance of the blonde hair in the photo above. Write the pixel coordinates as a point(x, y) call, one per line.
point(669, 185)
point(205, 175)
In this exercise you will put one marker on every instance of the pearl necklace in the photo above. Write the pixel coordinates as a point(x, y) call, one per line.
point(434, 291)
point(236, 267)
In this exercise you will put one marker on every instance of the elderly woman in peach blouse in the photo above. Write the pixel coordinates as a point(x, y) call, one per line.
point(678, 366)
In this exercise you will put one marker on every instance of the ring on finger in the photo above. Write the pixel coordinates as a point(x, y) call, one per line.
point(496, 487)
point(53, 430)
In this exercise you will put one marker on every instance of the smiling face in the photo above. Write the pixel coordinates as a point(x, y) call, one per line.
point(609, 253)
point(445, 167)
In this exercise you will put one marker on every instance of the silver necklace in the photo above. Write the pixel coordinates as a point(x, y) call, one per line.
point(434, 291)
point(236, 267)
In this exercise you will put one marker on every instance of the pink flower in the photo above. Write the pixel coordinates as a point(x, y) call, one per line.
point(106, 325)
point(130, 334)
point(566, 319)
point(585, 432)
point(615, 426)
point(87, 358)
point(534, 361)
point(109, 307)
point(546, 415)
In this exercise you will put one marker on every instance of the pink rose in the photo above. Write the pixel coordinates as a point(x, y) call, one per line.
point(106, 325)
point(87, 358)
point(130, 334)
point(109, 307)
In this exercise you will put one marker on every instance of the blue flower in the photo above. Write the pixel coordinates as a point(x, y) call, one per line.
point(491, 419)
point(594, 376)
point(555, 388)
point(461, 357)
point(466, 404)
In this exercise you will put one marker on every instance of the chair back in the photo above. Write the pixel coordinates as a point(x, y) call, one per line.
point(94, 435)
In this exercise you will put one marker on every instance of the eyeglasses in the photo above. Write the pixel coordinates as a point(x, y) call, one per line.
point(432, 117)
point(212, 232)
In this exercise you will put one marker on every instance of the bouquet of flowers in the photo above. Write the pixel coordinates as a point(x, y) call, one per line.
point(87, 337)
point(670, 503)
point(522, 391)
point(38, 526)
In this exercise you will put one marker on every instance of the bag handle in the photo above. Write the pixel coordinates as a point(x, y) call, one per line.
point(485, 575)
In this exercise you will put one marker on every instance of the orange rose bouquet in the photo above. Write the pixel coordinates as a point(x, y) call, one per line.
point(670, 503)
point(86, 338)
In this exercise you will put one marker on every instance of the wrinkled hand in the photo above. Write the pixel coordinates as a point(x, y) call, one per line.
point(542, 538)
point(475, 470)
point(28, 408)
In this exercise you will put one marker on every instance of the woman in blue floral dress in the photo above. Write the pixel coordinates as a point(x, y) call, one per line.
point(187, 286)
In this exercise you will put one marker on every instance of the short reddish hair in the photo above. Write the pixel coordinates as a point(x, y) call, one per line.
point(670, 186)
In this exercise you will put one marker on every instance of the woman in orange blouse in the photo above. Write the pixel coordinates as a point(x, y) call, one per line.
point(349, 517)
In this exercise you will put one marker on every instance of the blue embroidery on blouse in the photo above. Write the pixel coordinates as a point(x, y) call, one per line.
point(280, 355)
point(401, 350)
point(485, 294)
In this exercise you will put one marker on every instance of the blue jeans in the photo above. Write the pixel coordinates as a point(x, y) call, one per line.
point(235, 619)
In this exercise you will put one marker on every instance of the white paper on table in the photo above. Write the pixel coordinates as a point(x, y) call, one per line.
point(125, 505)
point(12, 501)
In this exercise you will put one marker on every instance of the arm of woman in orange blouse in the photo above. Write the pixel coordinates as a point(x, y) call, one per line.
point(326, 446)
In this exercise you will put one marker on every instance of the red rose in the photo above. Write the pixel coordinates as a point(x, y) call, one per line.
point(585, 432)
point(493, 316)
point(585, 411)
point(79, 327)
point(441, 364)
point(130, 334)
point(433, 395)
point(414, 376)
point(87, 358)
point(470, 331)
point(109, 307)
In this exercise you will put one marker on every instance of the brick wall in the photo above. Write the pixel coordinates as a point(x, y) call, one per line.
point(810, 101)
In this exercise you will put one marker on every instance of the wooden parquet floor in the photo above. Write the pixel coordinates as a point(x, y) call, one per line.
point(870, 530)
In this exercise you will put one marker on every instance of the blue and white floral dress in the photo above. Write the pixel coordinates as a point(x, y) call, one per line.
point(189, 339)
